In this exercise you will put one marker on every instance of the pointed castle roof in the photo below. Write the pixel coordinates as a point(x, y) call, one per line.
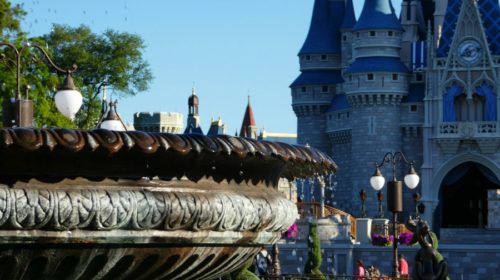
point(324, 31)
point(248, 120)
point(378, 14)
point(349, 20)
point(193, 99)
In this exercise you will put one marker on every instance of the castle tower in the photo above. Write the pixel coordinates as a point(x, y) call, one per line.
point(249, 126)
point(320, 66)
point(193, 120)
point(416, 15)
point(376, 82)
point(346, 31)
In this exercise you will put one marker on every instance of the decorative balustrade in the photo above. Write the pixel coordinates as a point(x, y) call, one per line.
point(467, 130)
point(313, 209)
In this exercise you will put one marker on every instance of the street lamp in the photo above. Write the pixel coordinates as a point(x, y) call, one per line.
point(68, 100)
point(394, 193)
point(111, 120)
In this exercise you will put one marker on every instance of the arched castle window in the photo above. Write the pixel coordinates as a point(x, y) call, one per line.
point(490, 103)
point(461, 107)
point(449, 113)
point(481, 107)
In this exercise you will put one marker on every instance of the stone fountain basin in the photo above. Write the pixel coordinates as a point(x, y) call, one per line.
point(108, 205)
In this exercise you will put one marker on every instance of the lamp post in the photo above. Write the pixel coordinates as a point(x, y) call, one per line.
point(394, 194)
point(380, 197)
point(110, 120)
point(68, 100)
point(362, 196)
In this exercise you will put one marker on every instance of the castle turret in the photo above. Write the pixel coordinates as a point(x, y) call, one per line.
point(346, 27)
point(193, 120)
point(249, 126)
point(377, 80)
point(415, 16)
point(320, 66)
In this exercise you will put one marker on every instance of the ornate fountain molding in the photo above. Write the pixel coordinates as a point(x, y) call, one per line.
point(132, 205)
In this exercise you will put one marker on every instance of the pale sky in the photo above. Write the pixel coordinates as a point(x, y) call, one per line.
point(228, 48)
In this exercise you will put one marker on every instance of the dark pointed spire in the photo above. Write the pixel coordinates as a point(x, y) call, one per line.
point(378, 14)
point(349, 17)
point(324, 31)
point(248, 121)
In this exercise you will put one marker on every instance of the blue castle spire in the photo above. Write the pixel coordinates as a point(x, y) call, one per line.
point(378, 14)
point(324, 31)
point(349, 17)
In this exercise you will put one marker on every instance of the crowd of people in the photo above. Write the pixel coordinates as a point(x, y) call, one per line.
point(373, 273)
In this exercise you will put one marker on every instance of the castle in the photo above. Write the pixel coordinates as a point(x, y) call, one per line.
point(426, 83)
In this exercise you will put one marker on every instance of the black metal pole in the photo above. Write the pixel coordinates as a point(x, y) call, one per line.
point(395, 263)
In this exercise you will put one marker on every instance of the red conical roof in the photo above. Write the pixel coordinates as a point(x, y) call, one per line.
point(248, 120)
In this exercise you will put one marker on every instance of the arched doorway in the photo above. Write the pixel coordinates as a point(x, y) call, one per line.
point(463, 194)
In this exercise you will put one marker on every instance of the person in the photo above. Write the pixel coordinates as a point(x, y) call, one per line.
point(403, 266)
point(373, 273)
point(292, 232)
point(263, 262)
point(360, 272)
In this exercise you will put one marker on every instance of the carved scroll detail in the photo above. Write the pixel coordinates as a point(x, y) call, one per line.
point(143, 209)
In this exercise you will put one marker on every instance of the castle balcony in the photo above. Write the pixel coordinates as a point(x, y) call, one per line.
point(449, 135)
point(468, 130)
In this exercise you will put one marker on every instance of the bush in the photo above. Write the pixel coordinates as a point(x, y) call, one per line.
point(242, 274)
point(313, 264)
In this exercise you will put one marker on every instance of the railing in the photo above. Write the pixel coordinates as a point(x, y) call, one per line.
point(313, 209)
point(468, 129)
point(330, 277)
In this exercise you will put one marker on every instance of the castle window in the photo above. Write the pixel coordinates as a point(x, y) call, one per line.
point(370, 77)
point(350, 78)
point(419, 77)
point(461, 108)
point(324, 89)
point(372, 125)
point(395, 77)
point(308, 57)
point(344, 38)
point(413, 108)
point(324, 57)
point(373, 33)
point(390, 33)
point(303, 89)
point(357, 34)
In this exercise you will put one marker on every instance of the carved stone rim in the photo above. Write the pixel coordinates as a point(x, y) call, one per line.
point(138, 238)
point(171, 206)
point(55, 154)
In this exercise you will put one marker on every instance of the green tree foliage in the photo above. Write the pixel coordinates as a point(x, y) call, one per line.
point(114, 57)
point(10, 20)
point(10, 30)
point(242, 273)
point(313, 263)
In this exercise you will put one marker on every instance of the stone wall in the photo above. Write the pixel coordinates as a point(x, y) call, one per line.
point(465, 261)
point(494, 209)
